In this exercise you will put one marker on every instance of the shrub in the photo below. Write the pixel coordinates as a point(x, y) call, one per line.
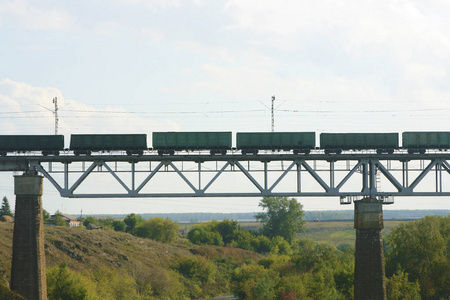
point(204, 234)
point(158, 229)
point(261, 244)
point(254, 282)
point(63, 283)
point(280, 246)
point(111, 284)
point(119, 225)
point(197, 268)
point(398, 287)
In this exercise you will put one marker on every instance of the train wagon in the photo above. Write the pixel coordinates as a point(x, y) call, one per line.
point(419, 142)
point(88, 143)
point(47, 144)
point(381, 142)
point(169, 142)
point(252, 142)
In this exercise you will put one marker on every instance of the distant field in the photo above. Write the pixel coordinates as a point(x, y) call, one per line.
point(328, 232)
point(339, 232)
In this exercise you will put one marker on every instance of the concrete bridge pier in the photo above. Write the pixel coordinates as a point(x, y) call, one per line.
point(370, 281)
point(28, 260)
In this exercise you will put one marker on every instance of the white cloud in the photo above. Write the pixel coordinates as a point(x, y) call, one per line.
point(212, 52)
point(109, 29)
point(154, 5)
point(151, 34)
point(410, 38)
point(28, 110)
point(35, 18)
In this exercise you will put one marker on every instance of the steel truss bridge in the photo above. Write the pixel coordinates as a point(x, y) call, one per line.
point(347, 176)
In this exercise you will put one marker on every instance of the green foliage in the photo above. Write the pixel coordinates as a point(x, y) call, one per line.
point(103, 283)
point(205, 234)
point(227, 229)
point(109, 284)
point(64, 284)
point(293, 287)
point(45, 215)
point(196, 267)
point(5, 210)
point(422, 249)
point(331, 271)
point(132, 220)
point(158, 229)
point(284, 217)
point(398, 287)
point(275, 262)
point(261, 244)
point(106, 223)
point(89, 220)
point(254, 282)
point(165, 284)
point(59, 219)
point(279, 245)
point(119, 225)
point(243, 239)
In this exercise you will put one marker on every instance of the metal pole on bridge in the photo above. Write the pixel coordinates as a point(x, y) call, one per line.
point(28, 276)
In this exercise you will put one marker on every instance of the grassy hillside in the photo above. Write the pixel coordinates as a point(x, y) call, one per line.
point(151, 265)
point(148, 262)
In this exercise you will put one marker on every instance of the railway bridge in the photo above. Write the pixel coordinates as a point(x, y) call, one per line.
point(364, 178)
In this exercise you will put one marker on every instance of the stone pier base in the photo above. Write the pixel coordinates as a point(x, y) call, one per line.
point(28, 260)
point(370, 282)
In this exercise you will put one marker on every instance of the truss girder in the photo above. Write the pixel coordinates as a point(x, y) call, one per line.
point(362, 168)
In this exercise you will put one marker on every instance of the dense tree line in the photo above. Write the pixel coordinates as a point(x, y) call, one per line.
point(420, 252)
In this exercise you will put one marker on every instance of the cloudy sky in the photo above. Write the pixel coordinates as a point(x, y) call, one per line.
point(134, 66)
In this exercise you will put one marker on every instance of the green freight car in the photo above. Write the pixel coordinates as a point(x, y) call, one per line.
point(169, 142)
point(47, 144)
point(418, 142)
point(299, 142)
point(88, 143)
point(381, 142)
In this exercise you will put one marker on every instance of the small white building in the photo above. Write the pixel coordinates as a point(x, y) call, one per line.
point(71, 221)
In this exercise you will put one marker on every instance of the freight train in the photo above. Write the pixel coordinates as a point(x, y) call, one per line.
point(168, 143)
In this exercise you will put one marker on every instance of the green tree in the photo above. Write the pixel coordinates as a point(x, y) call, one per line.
point(196, 267)
point(243, 239)
point(106, 222)
point(45, 215)
point(158, 229)
point(278, 245)
point(5, 210)
point(132, 220)
point(398, 287)
point(284, 217)
point(261, 244)
point(59, 219)
point(205, 234)
point(422, 249)
point(119, 225)
point(227, 229)
point(254, 282)
point(62, 283)
point(89, 220)
point(110, 284)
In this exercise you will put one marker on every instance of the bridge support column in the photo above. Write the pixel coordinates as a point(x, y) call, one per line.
point(28, 260)
point(370, 281)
